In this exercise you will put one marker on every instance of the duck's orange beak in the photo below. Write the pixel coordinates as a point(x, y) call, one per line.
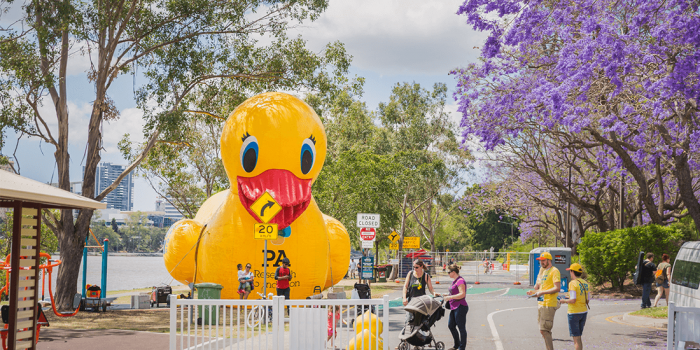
point(290, 192)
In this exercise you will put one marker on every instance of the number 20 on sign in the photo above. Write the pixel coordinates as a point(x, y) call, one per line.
point(266, 231)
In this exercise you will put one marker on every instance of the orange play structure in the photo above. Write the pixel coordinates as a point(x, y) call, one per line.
point(47, 269)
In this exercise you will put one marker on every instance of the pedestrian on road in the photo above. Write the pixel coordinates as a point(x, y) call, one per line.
point(579, 295)
point(283, 275)
point(663, 275)
point(487, 265)
point(416, 282)
point(457, 322)
point(647, 275)
point(547, 287)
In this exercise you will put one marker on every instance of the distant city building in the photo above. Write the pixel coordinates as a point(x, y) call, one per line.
point(171, 213)
point(155, 218)
point(122, 196)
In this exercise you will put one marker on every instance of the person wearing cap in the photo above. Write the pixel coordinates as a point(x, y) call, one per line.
point(547, 287)
point(579, 296)
point(283, 275)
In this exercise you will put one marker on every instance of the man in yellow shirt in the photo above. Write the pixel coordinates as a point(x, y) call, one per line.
point(579, 295)
point(548, 287)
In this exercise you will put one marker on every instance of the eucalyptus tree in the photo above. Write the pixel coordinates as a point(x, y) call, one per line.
point(172, 49)
point(423, 141)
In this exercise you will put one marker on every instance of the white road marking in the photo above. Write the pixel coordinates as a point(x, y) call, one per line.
point(506, 292)
point(494, 332)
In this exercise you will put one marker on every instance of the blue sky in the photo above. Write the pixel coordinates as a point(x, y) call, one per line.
point(391, 41)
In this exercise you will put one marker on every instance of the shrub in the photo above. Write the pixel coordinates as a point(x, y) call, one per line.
point(611, 256)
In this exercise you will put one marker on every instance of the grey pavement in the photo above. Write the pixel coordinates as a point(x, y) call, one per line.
point(513, 325)
point(514, 319)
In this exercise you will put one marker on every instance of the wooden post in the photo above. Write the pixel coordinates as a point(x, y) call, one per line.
point(14, 275)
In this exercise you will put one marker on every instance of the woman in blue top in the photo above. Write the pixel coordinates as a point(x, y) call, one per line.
point(459, 308)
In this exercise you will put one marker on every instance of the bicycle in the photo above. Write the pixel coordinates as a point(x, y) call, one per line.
point(258, 313)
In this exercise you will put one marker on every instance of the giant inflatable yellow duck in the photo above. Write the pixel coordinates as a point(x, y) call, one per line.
point(272, 143)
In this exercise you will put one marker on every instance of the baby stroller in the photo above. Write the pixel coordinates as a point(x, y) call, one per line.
point(424, 312)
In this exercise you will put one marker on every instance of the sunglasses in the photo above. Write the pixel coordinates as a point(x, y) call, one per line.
point(247, 266)
point(416, 267)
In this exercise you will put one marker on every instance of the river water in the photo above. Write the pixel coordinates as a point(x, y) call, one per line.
point(123, 272)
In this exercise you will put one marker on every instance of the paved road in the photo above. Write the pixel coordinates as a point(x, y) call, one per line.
point(513, 327)
point(514, 323)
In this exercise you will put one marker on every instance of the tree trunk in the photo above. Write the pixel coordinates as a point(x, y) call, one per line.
point(685, 187)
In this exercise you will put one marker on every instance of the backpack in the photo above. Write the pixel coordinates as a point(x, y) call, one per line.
point(660, 276)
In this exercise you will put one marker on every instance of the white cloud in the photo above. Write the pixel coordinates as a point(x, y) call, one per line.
point(397, 36)
point(130, 122)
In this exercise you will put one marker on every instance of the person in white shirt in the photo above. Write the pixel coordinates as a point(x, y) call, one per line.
point(353, 268)
point(245, 278)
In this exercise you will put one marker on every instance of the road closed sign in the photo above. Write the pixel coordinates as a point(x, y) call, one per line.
point(368, 234)
point(368, 220)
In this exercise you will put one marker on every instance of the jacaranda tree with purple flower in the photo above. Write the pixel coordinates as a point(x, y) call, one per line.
point(614, 81)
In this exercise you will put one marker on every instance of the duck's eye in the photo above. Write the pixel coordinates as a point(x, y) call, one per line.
point(308, 156)
point(249, 153)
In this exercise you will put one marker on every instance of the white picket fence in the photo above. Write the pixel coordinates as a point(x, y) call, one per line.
point(244, 324)
point(683, 326)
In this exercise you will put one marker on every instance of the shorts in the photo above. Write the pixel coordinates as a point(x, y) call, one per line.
point(576, 323)
point(245, 286)
point(545, 318)
point(665, 285)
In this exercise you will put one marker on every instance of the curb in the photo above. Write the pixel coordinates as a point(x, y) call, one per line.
point(644, 321)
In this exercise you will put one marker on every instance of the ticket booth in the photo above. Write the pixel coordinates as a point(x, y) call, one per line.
point(561, 259)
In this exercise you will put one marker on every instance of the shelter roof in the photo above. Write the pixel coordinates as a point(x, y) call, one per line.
point(14, 187)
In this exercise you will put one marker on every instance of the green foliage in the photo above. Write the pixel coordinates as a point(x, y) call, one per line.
point(611, 256)
point(135, 236)
point(402, 161)
point(492, 230)
point(454, 234)
point(102, 231)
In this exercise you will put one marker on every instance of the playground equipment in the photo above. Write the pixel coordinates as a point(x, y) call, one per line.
point(95, 299)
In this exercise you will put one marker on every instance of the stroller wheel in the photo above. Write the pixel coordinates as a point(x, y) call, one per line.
point(404, 346)
point(439, 346)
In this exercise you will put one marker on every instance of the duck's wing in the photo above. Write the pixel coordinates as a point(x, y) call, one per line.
point(181, 240)
point(179, 249)
point(339, 251)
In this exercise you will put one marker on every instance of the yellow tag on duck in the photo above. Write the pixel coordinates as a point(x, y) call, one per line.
point(273, 145)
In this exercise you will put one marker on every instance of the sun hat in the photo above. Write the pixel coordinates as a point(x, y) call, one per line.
point(545, 256)
point(575, 267)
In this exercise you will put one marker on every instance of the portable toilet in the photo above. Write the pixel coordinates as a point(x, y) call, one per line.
point(561, 259)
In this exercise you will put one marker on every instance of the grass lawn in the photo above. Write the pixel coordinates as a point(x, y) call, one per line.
point(653, 312)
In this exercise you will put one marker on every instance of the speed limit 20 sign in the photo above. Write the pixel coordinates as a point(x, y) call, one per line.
point(266, 231)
